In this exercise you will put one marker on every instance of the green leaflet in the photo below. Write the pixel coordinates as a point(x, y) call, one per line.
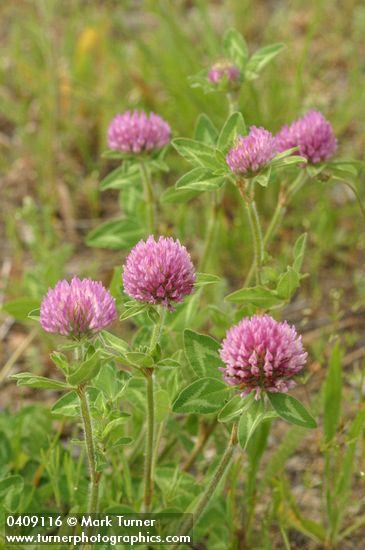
point(203, 396)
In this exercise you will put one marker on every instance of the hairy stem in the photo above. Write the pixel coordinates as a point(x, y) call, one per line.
point(90, 451)
point(149, 197)
point(156, 332)
point(93, 501)
point(204, 435)
point(212, 485)
point(232, 103)
point(357, 196)
point(168, 447)
point(192, 306)
point(150, 432)
point(148, 483)
point(296, 186)
point(210, 233)
point(256, 234)
point(284, 198)
point(157, 447)
point(276, 219)
point(209, 241)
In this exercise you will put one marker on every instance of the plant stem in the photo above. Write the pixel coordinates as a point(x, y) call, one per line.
point(232, 104)
point(212, 485)
point(157, 446)
point(284, 198)
point(204, 434)
point(150, 432)
point(149, 198)
point(148, 483)
point(234, 512)
point(258, 241)
point(156, 332)
point(255, 227)
point(168, 447)
point(276, 219)
point(193, 304)
point(297, 184)
point(357, 196)
point(90, 451)
point(136, 448)
point(17, 353)
point(209, 236)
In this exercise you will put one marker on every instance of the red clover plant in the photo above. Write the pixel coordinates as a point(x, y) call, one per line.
point(244, 380)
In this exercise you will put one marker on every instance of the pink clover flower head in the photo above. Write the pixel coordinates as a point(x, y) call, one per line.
point(312, 133)
point(159, 272)
point(262, 354)
point(252, 152)
point(224, 69)
point(76, 309)
point(136, 132)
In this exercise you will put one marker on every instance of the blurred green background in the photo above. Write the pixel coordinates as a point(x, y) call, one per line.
point(68, 67)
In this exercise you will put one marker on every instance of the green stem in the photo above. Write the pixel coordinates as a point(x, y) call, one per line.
point(194, 301)
point(256, 237)
point(234, 511)
point(149, 198)
point(148, 483)
point(204, 434)
point(168, 447)
point(212, 485)
point(150, 432)
point(90, 451)
point(275, 220)
point(232, 104)
point(209, 236)
point(357, 196)
point(157, 446)
point(284, 198)
point(156, 332)
point(136, 448)
point(296, 186)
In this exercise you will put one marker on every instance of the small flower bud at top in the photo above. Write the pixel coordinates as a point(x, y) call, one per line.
point(224, 69)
